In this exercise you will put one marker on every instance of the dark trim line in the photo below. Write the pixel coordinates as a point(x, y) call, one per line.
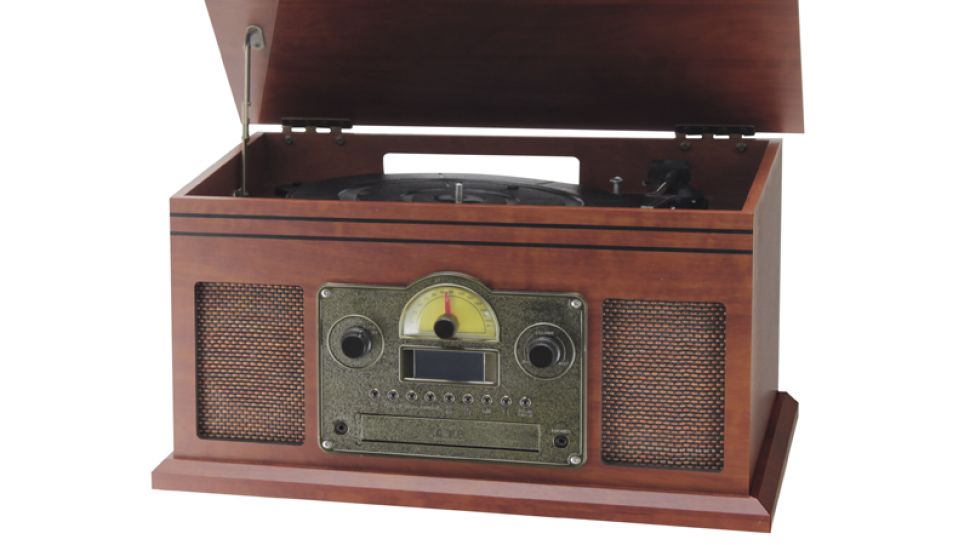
point(467, 243)
point(470, 223)
point(531, 451)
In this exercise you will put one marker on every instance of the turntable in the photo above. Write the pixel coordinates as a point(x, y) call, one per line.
point(453, 189)
point(455, 340)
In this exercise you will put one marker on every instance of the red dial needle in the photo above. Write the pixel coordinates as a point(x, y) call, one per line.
point(447, 304)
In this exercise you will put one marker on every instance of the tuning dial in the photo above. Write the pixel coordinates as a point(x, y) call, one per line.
point(544, 351)
point(355, 342)
point(446, 326)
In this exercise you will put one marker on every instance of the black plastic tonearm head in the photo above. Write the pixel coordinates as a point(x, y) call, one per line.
point(668, 184)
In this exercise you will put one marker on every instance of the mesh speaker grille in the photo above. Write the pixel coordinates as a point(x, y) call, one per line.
point(663, 384)
point(249, 357)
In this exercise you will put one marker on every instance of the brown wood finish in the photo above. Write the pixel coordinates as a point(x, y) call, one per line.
point(573, 64)
point(726, 256)
point(776, 444)
point(576, 64)
point(494, 234)
point(751, 512)
point(631, 219)
point(230, 19)
point(766, 298)
point(681, 276)
point(222, 178)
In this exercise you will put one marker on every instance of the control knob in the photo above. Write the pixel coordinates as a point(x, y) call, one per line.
point(544, 351)
point(355, 342)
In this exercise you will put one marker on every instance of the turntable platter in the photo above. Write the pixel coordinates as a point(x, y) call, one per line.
point(452, 189)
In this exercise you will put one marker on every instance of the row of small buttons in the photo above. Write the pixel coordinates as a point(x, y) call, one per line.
point(506, 401)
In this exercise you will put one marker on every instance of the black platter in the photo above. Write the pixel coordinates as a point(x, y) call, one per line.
point(448, 188)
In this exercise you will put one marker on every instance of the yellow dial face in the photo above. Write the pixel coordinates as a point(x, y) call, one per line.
point(473, 316)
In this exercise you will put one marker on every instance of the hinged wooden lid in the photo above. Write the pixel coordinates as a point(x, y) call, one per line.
point(567, 64)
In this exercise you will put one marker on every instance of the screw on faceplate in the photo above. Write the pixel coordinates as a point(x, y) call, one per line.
point(742, 147)
point(288, 139)
point(326, 293)
point(576, 304)
point(327, 445)
point(575, 459)
point(685, 146)
point(340, 140)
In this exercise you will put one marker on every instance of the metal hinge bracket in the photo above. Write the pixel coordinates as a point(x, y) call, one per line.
point(311, 124)
point(710, 131)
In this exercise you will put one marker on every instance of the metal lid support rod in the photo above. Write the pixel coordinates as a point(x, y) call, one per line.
point(254, 40)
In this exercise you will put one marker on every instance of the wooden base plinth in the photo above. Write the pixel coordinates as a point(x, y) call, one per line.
point(750, 513)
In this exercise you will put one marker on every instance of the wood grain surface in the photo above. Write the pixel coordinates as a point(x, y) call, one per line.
point(776, 444)
point(753, 512)
point(670, 255)
point(767, 296)
point(577, 64)
point(597, 274)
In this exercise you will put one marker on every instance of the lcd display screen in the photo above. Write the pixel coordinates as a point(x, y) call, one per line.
point(449, 366)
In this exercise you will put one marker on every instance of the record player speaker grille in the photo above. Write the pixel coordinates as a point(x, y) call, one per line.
point(249, 358)
point(663, 384)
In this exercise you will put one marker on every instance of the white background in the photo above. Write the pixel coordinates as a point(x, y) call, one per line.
point(108, 108)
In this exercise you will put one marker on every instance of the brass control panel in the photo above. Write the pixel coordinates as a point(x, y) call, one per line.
point(447, 368)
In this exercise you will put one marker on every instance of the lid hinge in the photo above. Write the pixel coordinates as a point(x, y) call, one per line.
point(336, 125)
point(254, 40)
point(710, 131)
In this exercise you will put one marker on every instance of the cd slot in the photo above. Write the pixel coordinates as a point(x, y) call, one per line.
point(435, 432)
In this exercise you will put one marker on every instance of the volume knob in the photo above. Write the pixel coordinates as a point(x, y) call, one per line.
point(355, 342)
point(544, 351)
